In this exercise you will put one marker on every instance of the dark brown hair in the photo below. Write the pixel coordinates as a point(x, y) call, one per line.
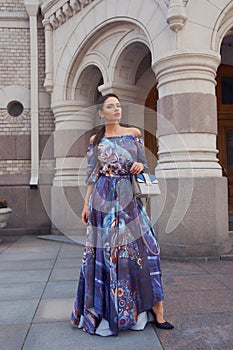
point(100, 133)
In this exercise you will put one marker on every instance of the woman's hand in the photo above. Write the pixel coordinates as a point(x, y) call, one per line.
point(84, 215)
point(136, 168)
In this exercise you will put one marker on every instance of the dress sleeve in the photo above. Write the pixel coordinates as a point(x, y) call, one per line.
point(92, 166)
point(141, 152)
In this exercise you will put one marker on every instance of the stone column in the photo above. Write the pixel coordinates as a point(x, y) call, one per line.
point(73, 120)
point(48, 83)
point(191, 213)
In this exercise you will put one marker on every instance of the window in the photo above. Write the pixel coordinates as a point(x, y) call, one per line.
point(225, 87)
point(15, 108)
point(227, 90)
point(229, 142)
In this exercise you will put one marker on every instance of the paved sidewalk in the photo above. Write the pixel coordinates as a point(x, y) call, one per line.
point(38, 280)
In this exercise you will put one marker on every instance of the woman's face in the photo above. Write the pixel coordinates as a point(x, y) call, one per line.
point(111, 110)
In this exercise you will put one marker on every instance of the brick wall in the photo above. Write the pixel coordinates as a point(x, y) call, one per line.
point(15, 70)
point(13, 167)
point(46, 121)
point(41, 54)
point(29, 214)
point(15, 57)
point(22, 125)
point(12, 5)
point(15, 125)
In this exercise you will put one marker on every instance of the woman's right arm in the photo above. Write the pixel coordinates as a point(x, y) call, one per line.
point(92, 175)
point(85, 206)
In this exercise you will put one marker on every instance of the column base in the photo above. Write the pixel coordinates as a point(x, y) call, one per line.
point(191, 218)
point(67, 205)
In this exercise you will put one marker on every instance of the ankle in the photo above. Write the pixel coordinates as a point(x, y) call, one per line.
point(158, 310)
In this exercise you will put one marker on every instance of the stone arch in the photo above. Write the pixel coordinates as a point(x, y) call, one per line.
point(94, 23)
point(128, 62)
point(222, 27)
point(82, 85)
point(128, 55)
point(117, 52)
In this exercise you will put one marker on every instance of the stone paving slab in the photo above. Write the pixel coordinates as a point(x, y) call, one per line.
point(56, 238)
point(60, 335)
point(198, 301)
point(217, 267)
point(21, 291)
point(65, 289)
point(66, 274)
point(29, 249)
point(180, 268)
point(192, 282)
point(210, 301)
point(199, 332)
point(52, 310)
point(225, 279)
point(74, 254)
point(17, 311)
point(22, 255)
point(68, 263)
point(4, 246)
point(25, 265)
point(12, 337)
point(32, 243)
point(24, 276)
point(9, 238)
point(69, 251)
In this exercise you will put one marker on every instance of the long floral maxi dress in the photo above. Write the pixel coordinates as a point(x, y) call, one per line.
point(120, 276)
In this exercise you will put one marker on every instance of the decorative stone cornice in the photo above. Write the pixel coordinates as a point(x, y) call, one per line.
point(67, 10)
point(176, 15)
point(58, 11)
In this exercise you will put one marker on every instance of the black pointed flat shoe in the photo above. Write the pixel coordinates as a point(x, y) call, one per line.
point(163, 325)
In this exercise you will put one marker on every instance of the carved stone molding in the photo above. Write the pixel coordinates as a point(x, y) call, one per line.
point(59, 14)
point(176, 15)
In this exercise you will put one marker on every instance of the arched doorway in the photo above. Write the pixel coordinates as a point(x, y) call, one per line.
point(225, 117)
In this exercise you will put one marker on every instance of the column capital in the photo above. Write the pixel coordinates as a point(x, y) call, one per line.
point(125, 92)
point(185, 71)
point(46, 23)
point(48, 82)
point(32, 7)
point(71, 115)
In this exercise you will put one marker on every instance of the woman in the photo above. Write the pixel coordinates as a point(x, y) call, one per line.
point(120, 280)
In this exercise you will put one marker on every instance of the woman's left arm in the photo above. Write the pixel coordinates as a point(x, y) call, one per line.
point(141, 164)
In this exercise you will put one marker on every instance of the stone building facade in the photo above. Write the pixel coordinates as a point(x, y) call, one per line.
point(16, 172)
point(172, 67)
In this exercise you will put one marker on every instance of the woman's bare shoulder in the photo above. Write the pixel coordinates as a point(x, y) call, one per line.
point(134, 131)
point(92, 138)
